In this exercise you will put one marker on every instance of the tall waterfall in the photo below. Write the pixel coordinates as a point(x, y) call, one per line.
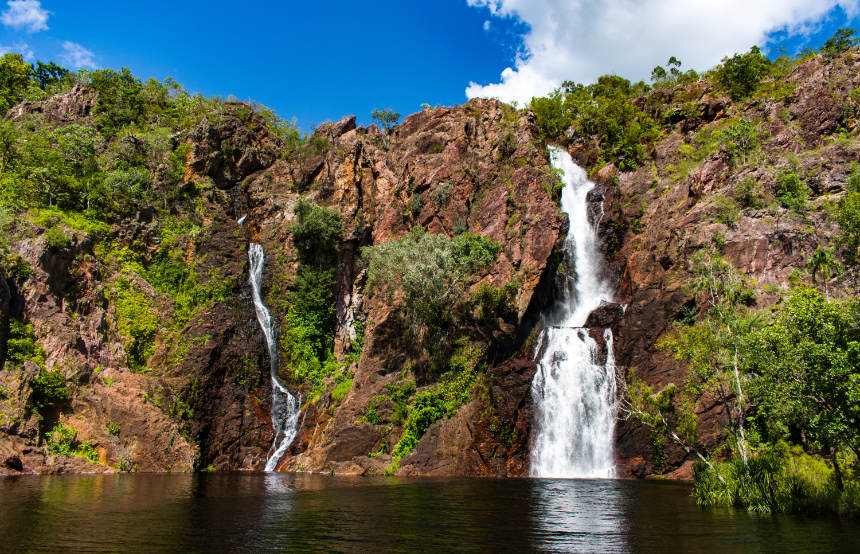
point(574, 390)
point(285, 406)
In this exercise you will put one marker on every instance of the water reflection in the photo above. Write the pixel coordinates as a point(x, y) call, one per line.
point(580, 515)
point(275, 512)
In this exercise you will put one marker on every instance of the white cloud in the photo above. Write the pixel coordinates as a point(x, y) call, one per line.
point(582, 39)
point(487, 25)
point(25, 14)
point(19, 48)
point(76, 56)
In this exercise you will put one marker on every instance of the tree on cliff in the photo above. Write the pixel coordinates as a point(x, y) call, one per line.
point(386, 119)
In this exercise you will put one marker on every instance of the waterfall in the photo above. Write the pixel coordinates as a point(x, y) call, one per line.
point(574, 389)
point(285, 406)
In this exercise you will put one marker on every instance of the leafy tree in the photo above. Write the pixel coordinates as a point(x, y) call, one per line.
point(47, 74)
point(715, 347)
point(791, 192)
point(316, 233)
point(848, 216)
point(430, 269)
point(741, 139)
point(823, 264)
point(842, 40)
point(740, 74)
point(806, 364)
point(49, 391)
point(386, 119)
point(120, 101)
point(551, 116)
point(15, 76)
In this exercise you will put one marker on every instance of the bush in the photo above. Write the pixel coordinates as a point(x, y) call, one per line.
point(136, 322)
point(317, 232)
point(778, 478)
point(62, 440)
point(728, 211)
point(21, 344)
point(430, 269)
point(749, 194)
point(848, 216)
point(56, 238)
point(415, 205)
point(791, 192)
point(49, 391)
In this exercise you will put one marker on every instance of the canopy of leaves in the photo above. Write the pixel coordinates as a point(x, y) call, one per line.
point(740, 74)
point(430, 269)
point(603, 110)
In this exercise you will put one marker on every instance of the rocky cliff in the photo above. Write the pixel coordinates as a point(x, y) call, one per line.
point(148, 320)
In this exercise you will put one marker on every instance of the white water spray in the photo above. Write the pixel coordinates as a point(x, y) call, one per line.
point(285, 406)
point(574, 393)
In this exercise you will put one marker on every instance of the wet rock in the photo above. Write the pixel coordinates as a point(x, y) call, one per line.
point(605, 315)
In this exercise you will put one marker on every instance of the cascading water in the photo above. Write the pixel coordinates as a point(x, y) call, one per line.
point(574, 390)
point(285, 406)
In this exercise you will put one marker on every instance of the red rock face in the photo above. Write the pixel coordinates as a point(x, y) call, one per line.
point(450, 159)
point(479, 168)
point(661, 217)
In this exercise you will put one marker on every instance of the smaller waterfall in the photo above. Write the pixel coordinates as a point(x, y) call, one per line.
point(285, 406)
point(574, 388)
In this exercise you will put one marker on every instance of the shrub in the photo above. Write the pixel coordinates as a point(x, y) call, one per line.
point(62, 440)
point(21, 344)
point(728, 211)
point(415, 205)
point(112, 428)
point(430, 269)
point(791, 192)
point(49, 391)
point(136, 322)
point(749, 194)
point(740, 140)
point(841, 41)
point(848, 216)
point(317, 232)
point(56, 238)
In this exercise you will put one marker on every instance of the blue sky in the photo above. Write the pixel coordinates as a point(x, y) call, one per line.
point(321, 60)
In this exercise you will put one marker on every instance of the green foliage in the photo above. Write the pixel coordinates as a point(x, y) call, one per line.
point(603, 110)
point(386, 119)
point(506, 145)
point(415, 205)
point(848, 216)
point(341, 388)
point(740, 74)
point(136, 322)
point(62, 440)
point(21, 344)
point(806, 364)
point(429, 406)
point(841, 41)
point(740, 140)
point(728, 211)
point(112, 428)
point(496, 302)
point(853, 182)
point(317, 232)
point(823, 263)
point(749, 194)
point(777, 478)
point(430, 269)
point(56, 238)
point(120, 101)
point(674, 76)
point(49, 391)
point(791, 192)
point(15, 76)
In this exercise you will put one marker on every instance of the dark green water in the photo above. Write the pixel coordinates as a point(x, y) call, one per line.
point(267, 512)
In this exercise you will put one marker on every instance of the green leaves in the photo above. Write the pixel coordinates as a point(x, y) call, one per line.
point(740, 74)
point(430, 269)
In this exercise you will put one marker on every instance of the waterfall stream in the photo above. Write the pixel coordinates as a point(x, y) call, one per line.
point(285, 406)
point(574, 390)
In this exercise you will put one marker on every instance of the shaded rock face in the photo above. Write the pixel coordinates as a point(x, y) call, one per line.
point(232, 147)
point(656, 219)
